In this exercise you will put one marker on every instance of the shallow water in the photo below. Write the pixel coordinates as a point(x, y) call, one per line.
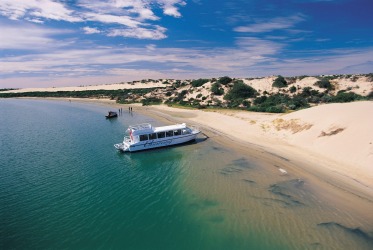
point(63, 185)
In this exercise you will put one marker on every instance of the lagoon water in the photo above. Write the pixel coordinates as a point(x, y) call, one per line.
point(63, 185)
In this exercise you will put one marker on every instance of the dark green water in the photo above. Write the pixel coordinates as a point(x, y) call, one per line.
point(63, 185)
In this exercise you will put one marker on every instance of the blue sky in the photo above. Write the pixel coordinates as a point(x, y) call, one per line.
point(51, 43)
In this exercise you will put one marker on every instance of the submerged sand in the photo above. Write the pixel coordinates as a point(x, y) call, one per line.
point(329, 147)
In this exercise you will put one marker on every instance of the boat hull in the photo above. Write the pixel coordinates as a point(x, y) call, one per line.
point(151, 144)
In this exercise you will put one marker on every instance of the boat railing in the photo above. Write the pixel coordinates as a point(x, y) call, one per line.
point(141, 126)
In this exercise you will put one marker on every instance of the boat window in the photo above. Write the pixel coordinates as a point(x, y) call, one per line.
point(169, 133)
point(177, 132)
point(161, 135)
point(185, 131)
point(153, 136)
point(143, 137)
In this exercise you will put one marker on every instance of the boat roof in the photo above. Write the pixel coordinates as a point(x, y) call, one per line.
point(170, 127)
point(148, 128)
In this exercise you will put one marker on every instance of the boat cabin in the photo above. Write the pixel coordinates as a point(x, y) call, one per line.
point(145, 132)
point(145, 136)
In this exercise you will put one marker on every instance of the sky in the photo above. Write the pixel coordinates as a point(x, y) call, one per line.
point(54, 43)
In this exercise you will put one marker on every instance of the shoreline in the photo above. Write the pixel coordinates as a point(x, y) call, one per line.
point(316, 164)
point(244, 135)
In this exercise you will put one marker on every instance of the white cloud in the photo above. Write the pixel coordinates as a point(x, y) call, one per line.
point(89, 30)
point(48, 9)
point(106, 18)
point(28, 37)
point(49, 58)
point(171, 11)
point(34, 20)
point(133, 74)
point(141, 33)
point(62, 63)
point(170, 7)
point(130, 16)
point(151, 47)
point(271, 24)
point(250, 58)
point(136, 8)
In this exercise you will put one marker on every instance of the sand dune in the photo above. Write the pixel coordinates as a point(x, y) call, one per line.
point(341, 131)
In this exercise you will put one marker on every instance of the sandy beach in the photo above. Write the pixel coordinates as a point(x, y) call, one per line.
point(333, 140)
point(329, 142)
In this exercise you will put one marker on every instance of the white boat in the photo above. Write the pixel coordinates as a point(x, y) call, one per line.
point(145, 136)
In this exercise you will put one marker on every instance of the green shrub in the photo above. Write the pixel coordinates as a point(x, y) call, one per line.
point(151, 101)
point(225, 80)
point(199, 82)
point(235, 103)
point(246, 103)
point(276, 109)
point(240, 91)
point(180, 96)
point(346, 97)
point(369, 77)
point(326, 99)
point(293, 89)
point(279, 82)
point(183, 93)
point(112, 94)
point(278, 103)
point(324, 84)
point(302, 77)
point(183, 103)
point(260, 99)
point(370, 96)
point(308, 91)
point(216, 89)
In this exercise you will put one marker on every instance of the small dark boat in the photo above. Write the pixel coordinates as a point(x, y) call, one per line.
point(111, 114)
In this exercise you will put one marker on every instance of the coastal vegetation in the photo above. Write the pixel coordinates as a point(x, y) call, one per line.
point(122, 95)
point(280, 82)
point(274, 94)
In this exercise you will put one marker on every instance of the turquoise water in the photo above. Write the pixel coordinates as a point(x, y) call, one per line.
point(63, 185)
